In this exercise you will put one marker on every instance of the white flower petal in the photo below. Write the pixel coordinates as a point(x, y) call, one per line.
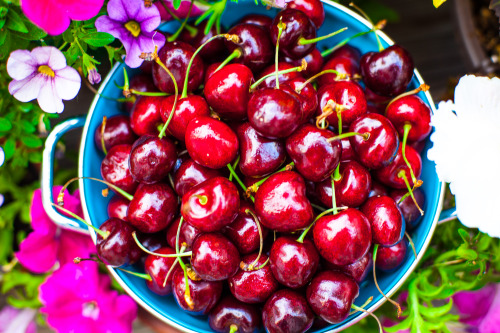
point(2, 159)
point(28, 89)
point(67, 83)
point(21, 64)
point(478, 95)
point(50, 56)
point(48, 99)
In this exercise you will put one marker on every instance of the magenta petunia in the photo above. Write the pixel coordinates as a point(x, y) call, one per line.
point(48, 244)
point(134, 25)
point(77, 299)
point(54, 16)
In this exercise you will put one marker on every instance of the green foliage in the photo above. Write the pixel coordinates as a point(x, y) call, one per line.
point(22, 288)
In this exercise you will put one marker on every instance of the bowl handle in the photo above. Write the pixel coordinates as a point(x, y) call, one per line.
point(447, 215)
point(47, 176)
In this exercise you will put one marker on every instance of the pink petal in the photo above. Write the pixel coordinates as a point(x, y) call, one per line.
point(48, 99)
point(117, 312)
point(50, 56)
point(38, 252)
point(27, 89)
point(67, 83)
point(40, 221)
point(73, 244)
point(47, 14)
point(491, 322)
point(21, 64)
point(473, 305)
point(82, 10)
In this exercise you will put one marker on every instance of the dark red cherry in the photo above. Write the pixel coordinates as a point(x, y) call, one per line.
point(230, 312)
point(347, 51)
point(259, 156)
point(117, 207)
point(263, 21)
point(298, 26)
point(187, 234)
point(176, 57)
point(191, 174)
point(351, 189)
point(115, 169)
point(119, 247)
point(142, 83)
point(281, 202)
point(378, 190)
point(186, 110)
point(243, 232)
point(152, 158)
point(380, 102)
point(204, 294)
point(211, 52)
point(358, 270)
point(287, 311)
point(314, 61)
point(254, 44)
point(153, 207)
point(387, 72)
point(410, 212)
point(274, 113)
point(343, 238)
point(410, 110)
point(380, 149)
point(347, 97)
point(253, 286)
point(152, 242)
point(343, 65)
point(293, 263)
point(331, 295)
point(418, 146)
point(312, 8)
point(314, 156)
point(307, 96)
point(145, 116)
point(390, 175)
point(348, 153)
point(228, 90)
point(390, 258)
point(210, 142)
point(211, 205)
point(117, 131)
point(270, 82)
point(386, 220)
point(157, 268)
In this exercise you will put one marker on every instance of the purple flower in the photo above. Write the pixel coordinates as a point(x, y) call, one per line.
point(14, 320)
point(44, 75)
point(48, 244)
point(480, 309)
point(134, 25)
point(77, 299)
point(94, 76)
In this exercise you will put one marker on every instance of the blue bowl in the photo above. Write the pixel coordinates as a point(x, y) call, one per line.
point(95, 206)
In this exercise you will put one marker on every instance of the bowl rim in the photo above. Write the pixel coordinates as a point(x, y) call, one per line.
point(356, 319)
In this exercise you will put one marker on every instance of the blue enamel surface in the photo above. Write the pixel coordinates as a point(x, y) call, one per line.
point(96, 204)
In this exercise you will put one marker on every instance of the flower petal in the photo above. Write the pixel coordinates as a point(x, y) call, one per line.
point(48, 15)
point(38, 252)
point(117, 11)
point(48, 99)
point(132, 8)
point(82, 10)
point(27, 89)
point(115, 28)
point(16, 320)
point(67, 83)
point(473, 305)
point(73, 244)
point(40, 221)
point(143, 43)
point(50, 56)
point(21, 64)
point(149, 18)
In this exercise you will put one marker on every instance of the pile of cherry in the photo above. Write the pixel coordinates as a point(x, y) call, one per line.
point(225, 196)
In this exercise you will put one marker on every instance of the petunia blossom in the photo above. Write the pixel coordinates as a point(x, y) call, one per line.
point(14, 320)
point(134, 25)
point(466, 151)
point(480, 309)
point(44, 75)
point(77, 299)
point(54, 16)
point(48, 244)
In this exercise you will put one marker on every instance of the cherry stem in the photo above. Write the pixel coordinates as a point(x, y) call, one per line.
point(363, 305)
point(304, 233)
point(423, 87)
point(139, 275)
point(60, 197)
point(407, 129)
point(238, 180)
point(365, 136)
point(362, 12)
point(336, 174)
point(263, 265)
point(334, 199)
point(396, 304)
point(229, 37)
point(233, 328)
point(103, 234)
point(339, 117)
point(126, 84)
point(303, 41)
point(178, 32)
point(255, 186)
point(281, 26)
point(358, 308)
point(235, 54)
point(329, 109)
point(183, 248)
point(203, 199)
point(235, 164)
point(142, 247)
point(103, 127)
point(187, 292)
point(340, 76)
point(256, 219)
point(411, 244)
point(402, 175)
point(178, 234)
point(318, 207)
point(300, 68)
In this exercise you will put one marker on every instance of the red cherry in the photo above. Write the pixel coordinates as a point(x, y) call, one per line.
point(186, 110)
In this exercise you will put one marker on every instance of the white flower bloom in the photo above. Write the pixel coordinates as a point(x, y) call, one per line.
point(467, 151)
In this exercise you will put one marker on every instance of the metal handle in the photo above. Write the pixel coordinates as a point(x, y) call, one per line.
point(447, 215)
point(48, 175)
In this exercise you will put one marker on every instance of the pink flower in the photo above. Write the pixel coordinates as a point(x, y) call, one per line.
point(14, 320)
point(54, 16)
point(48, 243)
point(480, 309)
point(44, 75)
point(77, 299)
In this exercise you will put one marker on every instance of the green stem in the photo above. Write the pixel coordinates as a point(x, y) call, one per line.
point(176, 255)
point(304, 233)
point(235, 54)
point(60, 197)
point(103, 128)
point(362, 12)
point(139, 275)
point(233, 328)
point(339, 117)
point(256, 219)
point(334, 199)
point(174, 106)
point(344, 42)
point(402, 175)
point(63, 46)
point(178, 32)
point(281, 26)
point(285, 71)
point(103, 234)
point(171, 269)
point(358, 308)
point(238, 180)
point(163, 130)
point(263, 265)
point(406, 131)
point(365, 136)
point(256, 185)
point(314, 77)
point(336, 174)
point(235, 164)
point(411, 244)
point(375, 249)
point(303, 41)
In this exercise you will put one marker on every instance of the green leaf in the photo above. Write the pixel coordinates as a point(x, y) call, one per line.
point(33, 33)
point(98, 39)
point(434, 312)
point(6, 236)
point(27, 127)
point(5, 49)
point(31, 141)
point(68, 36)
point(3, 36)
point(177, 4)
point(9, 147)
point(5, 125)
point(464, 235)
point(15, 22)
point(35, 157)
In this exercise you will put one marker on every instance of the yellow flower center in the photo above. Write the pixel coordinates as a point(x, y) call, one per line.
point(46, 70)
point(133, 27)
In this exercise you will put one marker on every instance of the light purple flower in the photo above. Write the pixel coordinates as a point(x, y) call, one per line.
point(94, 76)
point(44, 75)
point(77, 299)
point(2, 156)
point(14, 320)
point(134, 25)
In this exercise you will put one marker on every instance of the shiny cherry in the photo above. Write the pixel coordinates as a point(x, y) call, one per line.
point(347, 51)
point(314, 61)
point(157, 268)
point(343, 65)
point(287, 311)
point(142, 83)
point(117, 207)
point(145, 116)
point(117, 130)
point(348, 153)
point(410, 110)
point(187, 234)
point(230, 313)
point(378, 189)
point(270, 82)
point(191, 174)
point(119, 247)
point(298, 26)
point(410, 212)
point(358, 270)
point(390, 258)
point(386, 220)
point(186, 110)
point(115, 168)
point(312, 8)
point(263, 21)
point(391, 174)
